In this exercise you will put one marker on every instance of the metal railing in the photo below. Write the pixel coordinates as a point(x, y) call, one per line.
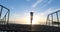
point(51, 21)
point(5, 19)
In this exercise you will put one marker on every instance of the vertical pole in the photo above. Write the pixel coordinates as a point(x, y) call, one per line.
point(52, 19)
point(47, 20)
point(1, 11)
point(4, 19)
point(8, 16)
point(57, 18)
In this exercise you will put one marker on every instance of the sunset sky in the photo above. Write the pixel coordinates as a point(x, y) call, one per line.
point(20, 10)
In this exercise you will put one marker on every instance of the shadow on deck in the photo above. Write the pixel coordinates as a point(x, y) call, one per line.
point(19, 27)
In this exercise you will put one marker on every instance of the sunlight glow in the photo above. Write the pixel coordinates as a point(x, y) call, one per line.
point(35, 19)
point(38, 18)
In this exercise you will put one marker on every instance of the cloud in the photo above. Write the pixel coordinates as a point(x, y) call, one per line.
point(27, 0)
point(49, 1)
point(36, 3)
point(39, 2)
point(49, 11)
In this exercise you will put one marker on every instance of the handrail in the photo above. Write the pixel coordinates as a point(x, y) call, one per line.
point(7, 13)
point(52, 17)
point(54, 12)
point(4, 7)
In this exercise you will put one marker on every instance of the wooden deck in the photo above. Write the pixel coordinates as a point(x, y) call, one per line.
point(19, 27)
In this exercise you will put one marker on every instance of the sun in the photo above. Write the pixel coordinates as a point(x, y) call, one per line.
point(34, 21)
point(27, 18)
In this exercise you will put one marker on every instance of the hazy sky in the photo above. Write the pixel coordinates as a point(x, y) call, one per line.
point(20, 10)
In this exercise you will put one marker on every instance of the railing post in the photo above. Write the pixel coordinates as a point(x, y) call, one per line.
point(57, 18)
point(8, 16)
point(1, 11)
point(47, 19)
point(52, 19)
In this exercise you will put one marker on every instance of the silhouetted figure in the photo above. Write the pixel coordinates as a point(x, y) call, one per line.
point(31, 18)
